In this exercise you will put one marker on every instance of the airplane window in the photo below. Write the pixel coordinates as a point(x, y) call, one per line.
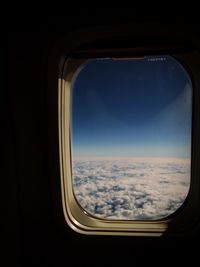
point(130, 123)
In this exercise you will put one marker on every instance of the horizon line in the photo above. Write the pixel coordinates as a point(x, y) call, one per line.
point(129, 157)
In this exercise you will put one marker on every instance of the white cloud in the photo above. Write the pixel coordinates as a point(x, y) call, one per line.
point(131, 189)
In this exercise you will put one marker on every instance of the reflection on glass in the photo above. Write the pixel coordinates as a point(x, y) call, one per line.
point(131, 137)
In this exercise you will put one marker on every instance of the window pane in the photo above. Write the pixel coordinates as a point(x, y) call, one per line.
point(131, 137)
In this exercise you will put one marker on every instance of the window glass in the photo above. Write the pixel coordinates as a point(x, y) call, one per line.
point(131, 123)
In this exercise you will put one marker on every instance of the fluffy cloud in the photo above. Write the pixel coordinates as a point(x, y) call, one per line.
point(131, 189)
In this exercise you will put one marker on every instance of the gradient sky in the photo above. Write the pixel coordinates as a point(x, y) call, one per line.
point(139, 108)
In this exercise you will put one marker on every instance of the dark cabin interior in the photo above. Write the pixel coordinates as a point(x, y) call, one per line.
point(34, 232)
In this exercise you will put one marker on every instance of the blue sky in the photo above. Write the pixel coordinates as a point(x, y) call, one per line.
point(131, 108)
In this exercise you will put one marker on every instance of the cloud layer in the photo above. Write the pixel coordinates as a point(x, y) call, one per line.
point(132, 188)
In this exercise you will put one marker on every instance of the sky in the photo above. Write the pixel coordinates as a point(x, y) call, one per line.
point(131, 108)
